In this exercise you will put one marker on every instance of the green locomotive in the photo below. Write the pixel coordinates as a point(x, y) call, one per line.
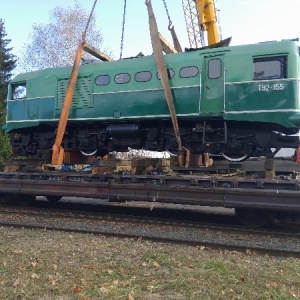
point(238, 101)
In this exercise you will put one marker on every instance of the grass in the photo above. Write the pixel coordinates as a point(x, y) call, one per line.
point(54, 265)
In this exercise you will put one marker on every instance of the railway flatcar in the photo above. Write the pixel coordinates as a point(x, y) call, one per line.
point(237, 101)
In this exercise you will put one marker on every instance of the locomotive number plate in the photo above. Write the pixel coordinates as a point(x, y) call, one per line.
point(270, 87)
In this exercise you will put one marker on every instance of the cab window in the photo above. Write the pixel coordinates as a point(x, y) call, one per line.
point(214, 68)
point(19, 91)
point(269, 68)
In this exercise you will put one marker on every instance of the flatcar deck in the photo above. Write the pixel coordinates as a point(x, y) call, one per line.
point(278, 195)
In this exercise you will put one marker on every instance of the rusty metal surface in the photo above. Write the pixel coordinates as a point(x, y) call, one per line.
point(278, 195)
point(283, 166)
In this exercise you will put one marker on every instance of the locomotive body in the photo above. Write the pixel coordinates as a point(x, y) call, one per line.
point(238, 101)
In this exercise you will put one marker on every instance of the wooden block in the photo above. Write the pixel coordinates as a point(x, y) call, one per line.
point(50, 167)
point(270, 164)
point(174, 161)
point(270, 174)
point(95, 52)
point(146, 162)
point(11, 168)
point(102, 170)
point(123, 168)
point(112, 162)
point(166, 169)
point(136, 166)
point(165, 162)
point(167, 47)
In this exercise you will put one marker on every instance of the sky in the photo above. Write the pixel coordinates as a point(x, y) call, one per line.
point(246, 21)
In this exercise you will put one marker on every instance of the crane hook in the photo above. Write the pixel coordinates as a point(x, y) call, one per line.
point(147, 1)
point(171, 26)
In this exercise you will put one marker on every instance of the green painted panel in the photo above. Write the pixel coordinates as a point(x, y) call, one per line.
point(282, 118)
point(107, 106)
point(212, 100)
point(265, 101)
point(27, 113)
point(295, 119)
point(145, 104)
point(261, 95)
point(33, 109)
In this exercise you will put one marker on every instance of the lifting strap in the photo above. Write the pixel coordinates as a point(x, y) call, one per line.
point(162, 71)
point(57, 149)
point(176, 43)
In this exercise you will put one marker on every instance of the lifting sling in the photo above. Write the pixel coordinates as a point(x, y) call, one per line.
point(57, 149)
point(162, 71)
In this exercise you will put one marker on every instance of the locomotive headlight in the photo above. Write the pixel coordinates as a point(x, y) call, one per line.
point(19, 91)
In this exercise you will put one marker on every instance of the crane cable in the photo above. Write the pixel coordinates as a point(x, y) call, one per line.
point(167, 12)
point(123, 29)
point(162, 71)
point(176, 43)
point(88, 21)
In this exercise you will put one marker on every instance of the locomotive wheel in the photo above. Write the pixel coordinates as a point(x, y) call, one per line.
point(252, 217)
point(88, 153)
point(235, 158)
point(53, 199)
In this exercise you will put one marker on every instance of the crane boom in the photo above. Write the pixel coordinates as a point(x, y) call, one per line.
point(201, 16)
point(195, 34)
point(207, 19)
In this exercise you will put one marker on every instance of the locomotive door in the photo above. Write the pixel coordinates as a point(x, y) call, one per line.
point(213, 86)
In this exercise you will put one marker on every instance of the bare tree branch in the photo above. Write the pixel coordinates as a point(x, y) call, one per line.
point(54, 44)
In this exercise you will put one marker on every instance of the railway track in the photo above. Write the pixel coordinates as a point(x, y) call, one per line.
point(222, 236)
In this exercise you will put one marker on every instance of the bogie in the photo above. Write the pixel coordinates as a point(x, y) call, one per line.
point(234, 144)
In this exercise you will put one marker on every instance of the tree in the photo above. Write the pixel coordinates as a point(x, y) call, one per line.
point(54, 44)
point(7, 65)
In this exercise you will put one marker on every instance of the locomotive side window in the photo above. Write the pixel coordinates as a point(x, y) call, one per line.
point(122, 78)
point(143, 76)
point(171, 74)
point(186, 72)
point(269, 68)
point(19, 91)
point(214, 68)
point(102, 80)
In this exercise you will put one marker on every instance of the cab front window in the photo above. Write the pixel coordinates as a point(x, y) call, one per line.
point(19, 91)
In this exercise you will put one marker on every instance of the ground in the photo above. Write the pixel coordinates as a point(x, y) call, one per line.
point(36, 264)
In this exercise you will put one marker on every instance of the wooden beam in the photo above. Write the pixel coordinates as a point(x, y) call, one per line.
point(167, 47)
point(97, 53)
